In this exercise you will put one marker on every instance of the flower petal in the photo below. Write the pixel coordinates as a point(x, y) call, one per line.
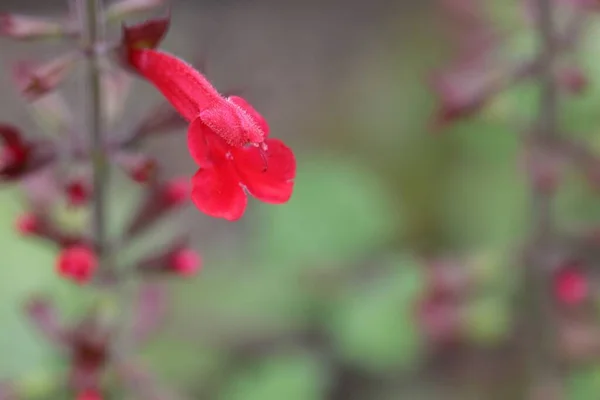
point(216, 191)
point(184, 87)
point(204, 144)
point(269, 176)
point(255, 115)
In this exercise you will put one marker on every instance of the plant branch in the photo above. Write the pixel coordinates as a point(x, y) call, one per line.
point(92, 39)
point(542, 350)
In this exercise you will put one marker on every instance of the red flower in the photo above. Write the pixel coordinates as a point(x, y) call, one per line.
point(571, 286)
point(227, 137)
point(225, 171)
point(14, 153)
point(77, 263)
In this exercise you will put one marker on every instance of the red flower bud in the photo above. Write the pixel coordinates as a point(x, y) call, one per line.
point(176, 191)
point(571, 286)
point(125, 8)
point(24, 27)
point(28, 224)
point(141, 169)
point(35, 81)
point(89, 394)
point(77, 263)
point(78, 192)
point(185, 262)
point(176, 258)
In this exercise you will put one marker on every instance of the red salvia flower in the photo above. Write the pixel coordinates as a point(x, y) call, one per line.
point(227, 137)
point(14, 153)
point(77, 263)
point(225, 171)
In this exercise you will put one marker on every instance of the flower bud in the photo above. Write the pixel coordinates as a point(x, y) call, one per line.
point(28, 224)
point(89, 394)
point(176, 258)
point(78, 192)
point(19, 157)
point(140, 168)
point(77, 263)
point(571, 286)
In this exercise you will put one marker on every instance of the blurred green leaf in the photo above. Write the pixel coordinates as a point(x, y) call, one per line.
point(339, 210)
point(294, 376)
point(373, 325)
point(584, 384)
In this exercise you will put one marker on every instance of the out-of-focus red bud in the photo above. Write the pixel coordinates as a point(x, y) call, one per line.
point(28, 224)
point(36, 80)
point(88, 343)
point(571, 286)
point(448, 277)
point(177, 191)
point(177, 258)
point(125, 8)
point(140, 168)
point(460, 97)
point(89, 394)
point(77, 263)
point(573, 80)
point(25, 27)
point(185, 262)
point(161, 198)
point(78, 192)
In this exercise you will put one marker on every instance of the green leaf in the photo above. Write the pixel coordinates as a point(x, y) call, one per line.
point(338, 211)
point(299, 376)
point(584, 383)
point(373, 325)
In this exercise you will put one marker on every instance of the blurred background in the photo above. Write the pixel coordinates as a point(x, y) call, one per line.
point(393, 273)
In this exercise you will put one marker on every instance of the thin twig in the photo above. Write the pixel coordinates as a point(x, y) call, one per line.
point(543, 357)
point(92, 38)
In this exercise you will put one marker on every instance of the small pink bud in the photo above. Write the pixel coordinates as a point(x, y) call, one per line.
point(24, 27)
point(140, 168)
point(177, 191)
point(571, 286)
point(77, 263)
point(126, 8)
point(28, 224)
point(185, 262)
